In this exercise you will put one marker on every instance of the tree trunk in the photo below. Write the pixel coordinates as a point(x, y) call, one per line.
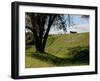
point(39, 46)
point(39, 49)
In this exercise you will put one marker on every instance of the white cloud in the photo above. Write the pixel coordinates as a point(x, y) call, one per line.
point(78, 28)
point(55, 31)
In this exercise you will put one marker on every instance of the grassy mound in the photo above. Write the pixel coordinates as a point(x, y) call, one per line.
point(61, 50)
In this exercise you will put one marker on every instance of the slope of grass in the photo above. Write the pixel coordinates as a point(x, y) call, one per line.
point(62, 43)
point(60, 48)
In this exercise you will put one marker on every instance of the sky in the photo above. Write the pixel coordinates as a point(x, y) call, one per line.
point(79, 20)
point(81, 25)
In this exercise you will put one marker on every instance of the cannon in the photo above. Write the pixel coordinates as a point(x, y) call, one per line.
point(73, 32)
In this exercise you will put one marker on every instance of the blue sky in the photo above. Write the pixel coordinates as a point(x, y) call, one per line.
point(77, 19)
point(81, 25)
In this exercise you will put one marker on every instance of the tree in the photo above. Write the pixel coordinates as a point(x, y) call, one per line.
point(28, 39)
point(39, 24)
point(85, 16)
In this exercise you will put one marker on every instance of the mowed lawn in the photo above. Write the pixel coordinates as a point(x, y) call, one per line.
point(65, 46)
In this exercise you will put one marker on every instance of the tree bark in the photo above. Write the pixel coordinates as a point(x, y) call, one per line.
point(39, 46)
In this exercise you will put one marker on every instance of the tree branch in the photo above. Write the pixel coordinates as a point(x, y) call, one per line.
point(50, 22)
point(29, 28)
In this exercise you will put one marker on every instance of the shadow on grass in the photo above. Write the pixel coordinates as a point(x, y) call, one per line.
point(47, 57)
point(79, 56)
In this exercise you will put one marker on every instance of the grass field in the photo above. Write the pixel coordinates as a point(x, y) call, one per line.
point(61, 50)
